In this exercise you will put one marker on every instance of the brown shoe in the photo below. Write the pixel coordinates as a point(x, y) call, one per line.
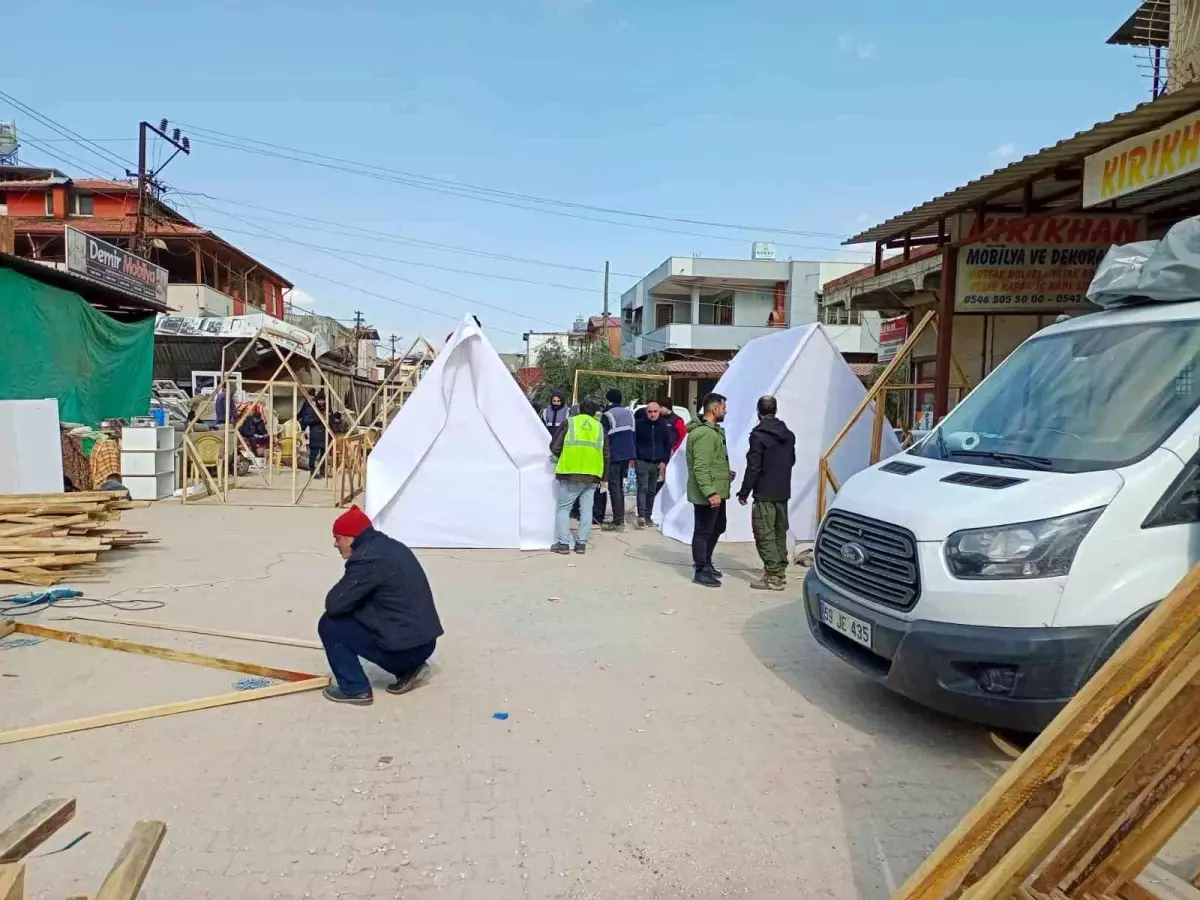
point(767, 583)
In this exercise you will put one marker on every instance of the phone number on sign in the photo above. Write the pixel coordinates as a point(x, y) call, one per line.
point(1022, 299)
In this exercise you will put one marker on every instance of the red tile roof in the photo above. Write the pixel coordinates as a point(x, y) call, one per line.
point(697, 368)
point(105, 225)
point(862, 370)
point(103, 184)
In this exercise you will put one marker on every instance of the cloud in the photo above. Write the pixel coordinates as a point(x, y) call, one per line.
point(300, 298)
point(856, 46)
point(1004, 152)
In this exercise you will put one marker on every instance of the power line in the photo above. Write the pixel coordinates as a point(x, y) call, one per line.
point(483, 195)
point(341, 228)
point(336, 255)
point(97, 150)
point(458, 185)
point(62, 157)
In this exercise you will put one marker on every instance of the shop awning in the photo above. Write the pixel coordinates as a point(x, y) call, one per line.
point(1053, 178)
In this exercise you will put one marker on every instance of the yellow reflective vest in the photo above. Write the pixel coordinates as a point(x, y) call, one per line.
point(583, 447)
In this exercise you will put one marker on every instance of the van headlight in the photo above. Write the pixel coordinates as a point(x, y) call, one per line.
point(1028, 550)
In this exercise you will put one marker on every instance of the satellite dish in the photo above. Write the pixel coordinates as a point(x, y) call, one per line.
point(8, 142)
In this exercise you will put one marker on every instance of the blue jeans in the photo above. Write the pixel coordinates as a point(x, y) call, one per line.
point(345, 640)
point(566, 493)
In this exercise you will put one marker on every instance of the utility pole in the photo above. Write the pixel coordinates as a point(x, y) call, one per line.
point(393, 339)
point(604, 337)
point(146, 179)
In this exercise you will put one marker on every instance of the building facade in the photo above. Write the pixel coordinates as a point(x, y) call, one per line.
point(207, 276)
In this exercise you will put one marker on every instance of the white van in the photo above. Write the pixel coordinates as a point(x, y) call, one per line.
point(990, 570)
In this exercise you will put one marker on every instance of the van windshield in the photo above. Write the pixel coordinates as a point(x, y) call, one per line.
point(1078, 401)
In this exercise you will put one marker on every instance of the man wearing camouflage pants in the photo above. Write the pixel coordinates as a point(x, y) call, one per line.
point(769, 463)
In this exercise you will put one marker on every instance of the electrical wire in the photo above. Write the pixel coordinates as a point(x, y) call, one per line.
point(96, 149)
point(62, 157)
point(375, 173)
point(464, 186)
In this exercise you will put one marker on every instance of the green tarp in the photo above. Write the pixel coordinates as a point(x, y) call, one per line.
point(53, 344)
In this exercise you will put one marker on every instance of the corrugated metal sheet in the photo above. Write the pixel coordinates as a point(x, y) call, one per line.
point(922, 219)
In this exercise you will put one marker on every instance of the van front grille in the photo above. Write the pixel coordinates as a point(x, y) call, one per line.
point(869, 559)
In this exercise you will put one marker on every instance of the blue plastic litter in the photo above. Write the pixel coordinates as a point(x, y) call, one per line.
point(14, 643)
point(500, 715)
point(252, 682)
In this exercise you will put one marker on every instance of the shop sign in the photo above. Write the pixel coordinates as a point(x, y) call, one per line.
point(234, 327)
point(1142, 161)
point(892, 335)
point(108, 264)
point(1035, 264)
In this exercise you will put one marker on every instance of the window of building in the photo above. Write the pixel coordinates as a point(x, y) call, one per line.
point(664, 314)
point(717, 310)
point(82, 205)
point(3, 204)
point(49, 203)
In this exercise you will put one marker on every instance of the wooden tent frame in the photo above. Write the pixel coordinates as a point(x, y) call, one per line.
point(877, 394)
point(1082, 813)
point(225, 479)
point(630, 375)
point(290, 683)
point(124, 880)
point(402, 386)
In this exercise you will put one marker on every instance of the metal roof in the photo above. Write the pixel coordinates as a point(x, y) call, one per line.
point(1063, 156)
point(1149, 26)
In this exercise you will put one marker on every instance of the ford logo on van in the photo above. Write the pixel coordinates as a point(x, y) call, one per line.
point(853, 554)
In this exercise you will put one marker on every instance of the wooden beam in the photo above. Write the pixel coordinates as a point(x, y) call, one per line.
point(1069, 741)
point(12, 881)
point(215, 632)
point(30, 831)
point(32, 732)
point(7, 627)
point(124, 881)
point(196, 659)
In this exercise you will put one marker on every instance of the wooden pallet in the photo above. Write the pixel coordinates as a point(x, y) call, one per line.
point(49, 538)
point(1081, 814)
point(125, 878)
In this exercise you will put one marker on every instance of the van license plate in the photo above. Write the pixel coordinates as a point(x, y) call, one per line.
point(844, 623)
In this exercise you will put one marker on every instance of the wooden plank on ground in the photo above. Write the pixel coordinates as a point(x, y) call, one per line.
point(12, 881)
point(196, 659)
point(7, 627)
point(7, 577)
point(12, 546)
point(26, 834)
point(33, 732)
point(49, 560)
point(124, 881)
point(67, 497)
point(1032, 782)
point(215, 632)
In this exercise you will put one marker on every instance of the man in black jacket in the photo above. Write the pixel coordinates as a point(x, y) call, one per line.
point(769, 465)
point(310, 417)
point(382, 610)
point(654, 437)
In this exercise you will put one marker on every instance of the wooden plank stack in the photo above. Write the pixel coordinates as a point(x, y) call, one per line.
point(1084, 811)
point(48, 538)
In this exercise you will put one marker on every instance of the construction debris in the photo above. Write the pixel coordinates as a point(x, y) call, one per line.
point(48, 538)
point(124, 880)
point(1082, 812)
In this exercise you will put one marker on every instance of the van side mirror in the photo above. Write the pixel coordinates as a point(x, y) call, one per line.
point(1180, 503)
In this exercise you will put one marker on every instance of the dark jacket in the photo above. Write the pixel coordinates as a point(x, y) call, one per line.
point(618, 426)
point(385, 589)
point(556, 448)
point(554, 418)
point(309, 419)
point(769, 462)
point(253, 427)
point(654, 438)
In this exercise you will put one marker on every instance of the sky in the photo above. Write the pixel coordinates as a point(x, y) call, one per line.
point(779, 115)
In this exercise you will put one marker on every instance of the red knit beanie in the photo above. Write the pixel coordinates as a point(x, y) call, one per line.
point(351, 523)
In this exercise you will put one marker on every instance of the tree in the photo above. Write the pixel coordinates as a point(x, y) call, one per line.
point(558, 367)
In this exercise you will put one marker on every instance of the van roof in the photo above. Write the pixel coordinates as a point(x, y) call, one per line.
point(1142, 313)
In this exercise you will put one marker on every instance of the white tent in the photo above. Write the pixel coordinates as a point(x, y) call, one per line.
point(817, 394)
point(466, 462)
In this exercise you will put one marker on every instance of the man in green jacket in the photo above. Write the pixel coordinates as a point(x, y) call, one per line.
point(709, 477)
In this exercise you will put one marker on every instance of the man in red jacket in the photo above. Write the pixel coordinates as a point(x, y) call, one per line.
point(675, 422)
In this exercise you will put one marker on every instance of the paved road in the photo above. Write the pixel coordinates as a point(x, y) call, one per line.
point(663, 741)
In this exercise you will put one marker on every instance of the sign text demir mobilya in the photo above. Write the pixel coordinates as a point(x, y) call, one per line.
point(1147, 159)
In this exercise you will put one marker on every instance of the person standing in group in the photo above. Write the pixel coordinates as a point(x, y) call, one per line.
point(311, 418)
point(709, 478)
point(622, 450)
point(581, 447)
point(653, 437)
point(676, 423)
point(769, 465)
point(554, 416)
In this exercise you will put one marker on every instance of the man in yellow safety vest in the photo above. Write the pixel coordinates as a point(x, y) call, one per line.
point(581, 448)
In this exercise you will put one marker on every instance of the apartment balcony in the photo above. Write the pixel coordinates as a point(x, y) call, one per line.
point(681, 336)
point(202, 300)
